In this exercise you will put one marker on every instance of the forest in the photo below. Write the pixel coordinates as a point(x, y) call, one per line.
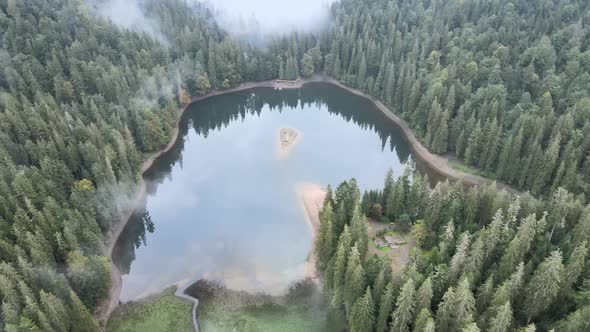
point(502, 86)
point(485, 260)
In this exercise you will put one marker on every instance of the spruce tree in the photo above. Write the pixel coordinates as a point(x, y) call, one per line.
point(444, 314)
point(385, 309)
point(403, 315)
point(424, 295)
point(503, 319)
point(423, 320)
point(340, 267)
point(362, 316)
point(325, 241)
point(355, 279)
point(544, 285)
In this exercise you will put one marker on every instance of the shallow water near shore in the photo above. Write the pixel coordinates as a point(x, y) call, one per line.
point(222, 204)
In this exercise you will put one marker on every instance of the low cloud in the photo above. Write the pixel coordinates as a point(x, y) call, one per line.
point(263, 18)
point(127, 14)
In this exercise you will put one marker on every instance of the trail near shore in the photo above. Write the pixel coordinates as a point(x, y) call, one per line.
point(439, 164)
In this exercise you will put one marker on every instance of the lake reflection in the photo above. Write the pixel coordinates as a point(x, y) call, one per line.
point(224, 206)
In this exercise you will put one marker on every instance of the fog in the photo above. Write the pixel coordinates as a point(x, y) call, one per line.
point(127, 14)
point(252, 19)
point(262, 18)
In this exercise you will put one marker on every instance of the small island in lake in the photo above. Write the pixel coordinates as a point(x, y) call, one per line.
point(288, 138)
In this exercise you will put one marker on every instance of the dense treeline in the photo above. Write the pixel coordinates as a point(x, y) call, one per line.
point(484, 260)
point(501, 84)
point(80, 102)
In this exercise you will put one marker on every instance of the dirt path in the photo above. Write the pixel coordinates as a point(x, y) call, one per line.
point(438, 163)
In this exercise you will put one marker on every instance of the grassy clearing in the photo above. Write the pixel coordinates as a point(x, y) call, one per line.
point(302, 309)
point(287, 318)
point(459, 166)
point(384, 249)
point(160, 312)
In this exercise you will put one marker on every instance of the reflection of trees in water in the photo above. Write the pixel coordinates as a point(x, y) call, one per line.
point(216, 113)
point(132, 237)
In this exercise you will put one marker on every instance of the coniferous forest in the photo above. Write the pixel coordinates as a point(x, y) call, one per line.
point(484, 260)
point(503, 86)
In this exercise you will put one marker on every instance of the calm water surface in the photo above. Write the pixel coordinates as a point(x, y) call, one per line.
point(224, 207)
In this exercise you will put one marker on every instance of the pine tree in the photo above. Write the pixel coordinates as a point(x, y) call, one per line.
point(383, 278)
point(578, 320)
point(325, 241)
point(548, 164)
point(503, 319)
point(423, 321)
point(359, 231)
point(307, 65)
point(474, 262)
point(440, 141)
point(544, 286)
point(355, 279)
point(575, 266)
point(464, 306)
point(212, 70)
point(385, 308)
point(424, 295)
point(340, 267)
point(281, 70)
point(403, 315)
point(444, 314)
point(387, 187)
point(362, 72)
point(521, 243)
point(362, 316)
point(460, 256)
point(55, 311)
point(80, 316)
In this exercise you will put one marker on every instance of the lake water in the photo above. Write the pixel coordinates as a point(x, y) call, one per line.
point(222, 204)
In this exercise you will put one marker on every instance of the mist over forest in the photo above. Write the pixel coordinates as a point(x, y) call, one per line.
point(496, 93)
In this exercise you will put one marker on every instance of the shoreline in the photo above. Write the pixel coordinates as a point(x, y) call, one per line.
point(311, 198)
point(109, 304)
point(437, 163)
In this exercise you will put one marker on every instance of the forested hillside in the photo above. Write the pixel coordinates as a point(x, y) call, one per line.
point(485, 260)
point(81, 101)
point(504, 85)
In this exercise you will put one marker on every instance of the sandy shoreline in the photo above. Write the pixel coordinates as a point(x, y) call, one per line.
point(438, 163)
point(311, 197)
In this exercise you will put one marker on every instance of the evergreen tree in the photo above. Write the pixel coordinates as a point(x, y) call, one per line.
point(307, 65)
point(325, 241)
point(355, 279)
point(340, 267)
point(503, 319)
point(424, 295)
point(403, 315)
point(544, 285)
point(385, 309)
point(362, 316)
point(424, 321)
